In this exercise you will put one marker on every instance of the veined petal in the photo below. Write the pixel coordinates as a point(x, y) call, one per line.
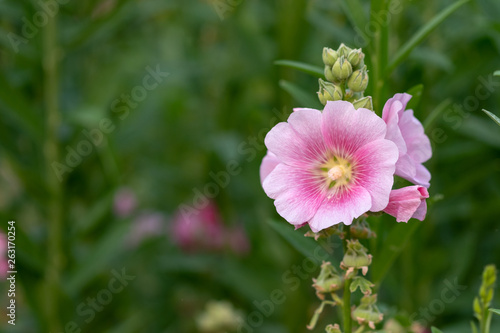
point(297, 192)
point(345, 129)
point(343, 207)
point(298, 142)
point(375, 164)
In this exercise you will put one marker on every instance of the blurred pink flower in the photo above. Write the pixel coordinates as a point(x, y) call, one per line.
point(238, 241)
point(408, 202)
point(408, 134)
point(3, 255)
point(124, 202)
point(333, 165)
point(146, 225)
point(200, 229)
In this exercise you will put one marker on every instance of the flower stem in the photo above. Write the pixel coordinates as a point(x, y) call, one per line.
point(54, 185)
point(347, 291)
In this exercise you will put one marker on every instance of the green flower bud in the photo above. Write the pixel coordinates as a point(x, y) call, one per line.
point(329, 56)
point(358, 81)
point(329, 92)
point(365, 102)
point(356, 57)
point(343, 50)
point(328, 74)
point(333, 329)
point(342, 69)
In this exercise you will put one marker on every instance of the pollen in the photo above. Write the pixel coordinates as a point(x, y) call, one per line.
point(337, 172)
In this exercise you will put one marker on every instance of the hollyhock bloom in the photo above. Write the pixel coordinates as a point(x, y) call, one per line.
point(124, 202)
point(333, 166)
point(408, 202)
point(200, 229)
point(408, 134)
point(3, 255)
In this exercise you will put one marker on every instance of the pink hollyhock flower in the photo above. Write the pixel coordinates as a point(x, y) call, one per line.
point(3, 255)
point(333, 165)
point(408, 202)
point(200, 229)
point(124, 202)
point(408, 134)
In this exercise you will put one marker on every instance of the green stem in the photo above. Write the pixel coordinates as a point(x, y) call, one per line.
point(54, 185)
point(360, 329)
point(347, 291)
point(379, 49)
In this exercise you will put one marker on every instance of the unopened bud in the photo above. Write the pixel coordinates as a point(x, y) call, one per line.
point(328, 74)
point(356, 58)
point(365, 102)
point(343, 50)
point(329, 92)
point(342, 69)
point(329, 56)
point(358, 81)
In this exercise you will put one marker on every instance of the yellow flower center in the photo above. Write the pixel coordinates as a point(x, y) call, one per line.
point(336, 171)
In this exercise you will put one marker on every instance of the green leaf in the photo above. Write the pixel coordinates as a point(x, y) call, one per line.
point(416, 93)
point(496, 73)
point(435, 330)
point(496, 311)
point(492, 116)
point(355, 13)
point(473, 327)
point(420, 35)
point(306, 246)
point(393, 245)
point(304, 98)
point(101, 254)
point(306, 68)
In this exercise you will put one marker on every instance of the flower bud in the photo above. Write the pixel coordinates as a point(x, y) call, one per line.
point(365, 102)
point(329, 92)
point(333, 329)
point(367, 312)
point(356, 57)
point(342, 69)
point(358, 80)
point(329, 56)
point(328, 280)
point(343, 50)
point(356, 257)
point(328, 74)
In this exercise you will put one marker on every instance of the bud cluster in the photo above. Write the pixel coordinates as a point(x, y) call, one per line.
point(356, 257)
point(347, 75)
point(486, 291)
point(367, 312)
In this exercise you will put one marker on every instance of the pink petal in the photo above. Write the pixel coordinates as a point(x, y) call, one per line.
point(408, 202)
point(269, 162)
point(345, 129)
point(344, 207)
point(297, 192)
point(374, 165)
point(390, 114)
point(297, 142)
point(418, 144)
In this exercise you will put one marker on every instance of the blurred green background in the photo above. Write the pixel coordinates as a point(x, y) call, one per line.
point(160, 140)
